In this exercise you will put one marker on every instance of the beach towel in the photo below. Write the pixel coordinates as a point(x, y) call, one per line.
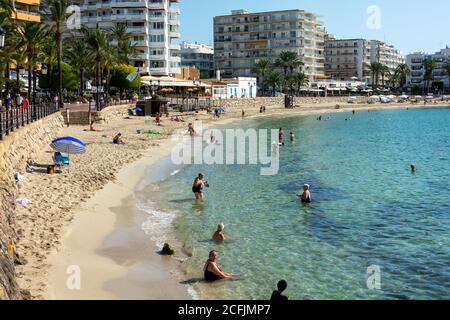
point(152, 132)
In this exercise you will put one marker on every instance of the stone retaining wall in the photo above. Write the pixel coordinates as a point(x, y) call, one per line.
point(15, 150)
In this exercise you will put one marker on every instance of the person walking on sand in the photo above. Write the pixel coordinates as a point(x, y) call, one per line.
point(197, 186)
point(277, 295)
point(212, 271)
point(219, 236)
point(305, 197)
point(243, 114)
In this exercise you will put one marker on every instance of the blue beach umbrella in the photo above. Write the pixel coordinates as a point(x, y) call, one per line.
point(68, 145)
point(137, 109)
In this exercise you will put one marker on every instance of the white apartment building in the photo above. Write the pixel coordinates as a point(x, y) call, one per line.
point(415, 63)
point(198, 55)
point(154, 25)
point(350, 59)
point(242, 38)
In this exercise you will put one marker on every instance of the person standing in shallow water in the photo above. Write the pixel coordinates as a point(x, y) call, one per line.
point(197, 186)
point(292, 136)
point(212, 271)
point(278, 295)
point(280, 136)
point(219, 236)
point(305, 197)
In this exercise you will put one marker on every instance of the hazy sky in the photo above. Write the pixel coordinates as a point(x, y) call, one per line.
point(410, 25)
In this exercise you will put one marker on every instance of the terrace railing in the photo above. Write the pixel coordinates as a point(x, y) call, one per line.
point(14, 118)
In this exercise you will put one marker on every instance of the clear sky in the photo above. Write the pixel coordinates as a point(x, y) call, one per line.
point(410, 25)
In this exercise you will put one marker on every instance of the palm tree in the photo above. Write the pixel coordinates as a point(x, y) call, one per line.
point(288, 60)
point(6, 9)
point(58, 16)
point(375, 69)
point(108, 59)
point(300, 80)
point(274, 79)
point(447, 70)
point(49, 58)
point(401, 73)
point(79, 56)
point(429, 66)
point(262, 68)
point(385, 73)
point(32, 38)
point(97, 41)
point(124, 49)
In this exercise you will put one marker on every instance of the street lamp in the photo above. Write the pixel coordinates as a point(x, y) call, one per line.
point(2, 38)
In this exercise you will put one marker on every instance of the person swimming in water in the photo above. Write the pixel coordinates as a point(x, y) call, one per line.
point(219, 236)
point(305, 197)
point(212, 271)
point(413, 168)
point(197, 186)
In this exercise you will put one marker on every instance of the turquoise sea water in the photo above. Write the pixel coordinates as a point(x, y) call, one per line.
point(368, 209)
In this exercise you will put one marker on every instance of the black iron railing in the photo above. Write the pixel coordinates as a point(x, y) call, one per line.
point(16, 117)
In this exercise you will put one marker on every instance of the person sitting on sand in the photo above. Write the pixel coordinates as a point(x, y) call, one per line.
point(118, 139)
point(278, 295)
point(212, 271)
point(306, 195)
point(197, 186)
point(219, 236)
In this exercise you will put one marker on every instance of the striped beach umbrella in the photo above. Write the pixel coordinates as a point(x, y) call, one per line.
point(69, 145)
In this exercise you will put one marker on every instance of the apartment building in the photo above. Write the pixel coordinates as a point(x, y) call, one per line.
point(415, 63)
point(200, 56)
point(242, 38)
point(154, 25)
point(350, 59)
point(27, 10)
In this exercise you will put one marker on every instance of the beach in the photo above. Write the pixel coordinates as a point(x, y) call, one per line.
point(85, 217)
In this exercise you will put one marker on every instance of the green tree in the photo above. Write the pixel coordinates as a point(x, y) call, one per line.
point(274, 80)
point(58, 16)
point(97, 43)
point(401, 73)
point(123, 49)
point(300, 79)
point(447, 70)
point(429, 65)
point(119, 74)
point(80, 57)
point(262, 68)
point(31, 38)
point(376, 70)
point(69, 75)
point(385, 73)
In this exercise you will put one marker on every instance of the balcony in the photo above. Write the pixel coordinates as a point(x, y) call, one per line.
point(175, 70)
point(26, 16)
point(139, 43)
point(123, 4)
point(156, 5)
point(175, 47)
point(175, 35)
point(137, 30)
point(129, 17)
point(158, 71)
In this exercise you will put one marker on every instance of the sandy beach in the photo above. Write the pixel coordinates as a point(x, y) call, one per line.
point(84, 218)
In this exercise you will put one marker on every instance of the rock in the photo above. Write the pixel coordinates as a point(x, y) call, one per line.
point(26, 294)
point(167, 250)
